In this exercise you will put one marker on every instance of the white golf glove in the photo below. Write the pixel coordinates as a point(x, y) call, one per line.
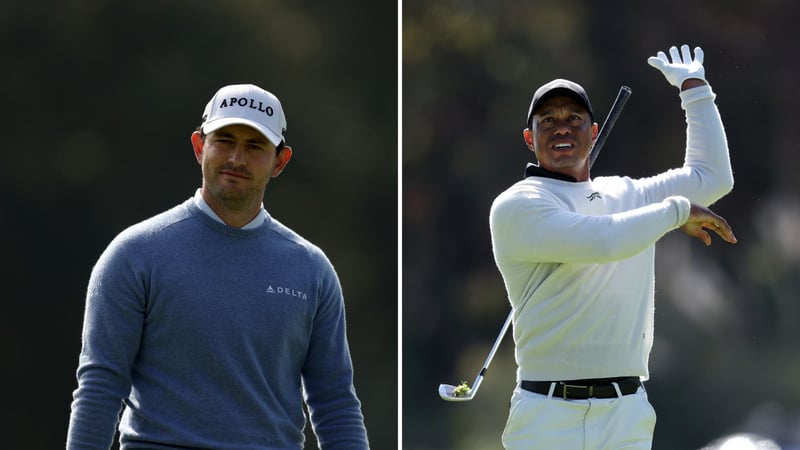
point(682, 66)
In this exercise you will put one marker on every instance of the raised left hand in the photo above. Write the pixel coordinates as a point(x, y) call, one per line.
point(682, 67)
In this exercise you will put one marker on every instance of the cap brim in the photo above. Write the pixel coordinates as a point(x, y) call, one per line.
point(215, 125)
point(560, 91)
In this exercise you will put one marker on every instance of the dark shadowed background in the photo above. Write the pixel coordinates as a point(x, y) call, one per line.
point(725, 357)
point(99, 98)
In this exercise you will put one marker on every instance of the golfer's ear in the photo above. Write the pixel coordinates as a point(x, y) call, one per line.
point(527, 135)
point(197, 145)
point(281, 160)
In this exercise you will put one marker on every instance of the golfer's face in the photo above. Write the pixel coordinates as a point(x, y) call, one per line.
point(238, 162)
point(562, 135)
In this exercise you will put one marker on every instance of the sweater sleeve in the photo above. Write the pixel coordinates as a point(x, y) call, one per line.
point(527, 228)
point(113, 320)
point(706, 174)
point(334, 408)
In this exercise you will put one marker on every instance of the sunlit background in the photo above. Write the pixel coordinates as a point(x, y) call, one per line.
point(724, 367)
point(99, 98)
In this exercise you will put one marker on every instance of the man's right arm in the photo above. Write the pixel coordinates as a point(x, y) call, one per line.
point(701, 218)
point(112, 326)
point(531, 228)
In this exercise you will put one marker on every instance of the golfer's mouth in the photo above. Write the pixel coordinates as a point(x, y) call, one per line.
point(231, 173)
point(562, 147)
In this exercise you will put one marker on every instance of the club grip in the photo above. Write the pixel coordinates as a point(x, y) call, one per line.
point(616, 108)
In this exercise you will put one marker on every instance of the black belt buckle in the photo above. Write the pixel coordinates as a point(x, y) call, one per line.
point(565, 387)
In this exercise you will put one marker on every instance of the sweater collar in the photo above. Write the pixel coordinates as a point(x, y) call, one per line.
point(532, 170)
point(255, 223)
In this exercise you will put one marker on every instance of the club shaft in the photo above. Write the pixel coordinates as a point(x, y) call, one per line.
point(499, 339)
point(613, 114)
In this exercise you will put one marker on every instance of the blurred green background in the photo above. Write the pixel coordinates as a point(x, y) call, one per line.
point(99, 100)
point(725, 357)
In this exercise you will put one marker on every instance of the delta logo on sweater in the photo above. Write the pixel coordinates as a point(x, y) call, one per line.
point(280, 290)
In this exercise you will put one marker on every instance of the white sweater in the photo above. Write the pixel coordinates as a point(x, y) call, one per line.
point(577, 258)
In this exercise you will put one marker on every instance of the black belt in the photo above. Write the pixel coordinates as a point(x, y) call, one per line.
point(583, 389)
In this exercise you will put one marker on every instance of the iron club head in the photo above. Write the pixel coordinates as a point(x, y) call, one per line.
point(446, 391)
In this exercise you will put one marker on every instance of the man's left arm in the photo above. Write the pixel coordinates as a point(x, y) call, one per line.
point(333, 405)
point(706, 175)
point(707, 156)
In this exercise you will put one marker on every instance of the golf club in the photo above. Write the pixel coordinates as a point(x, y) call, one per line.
point(447, 391)
point(613, 114)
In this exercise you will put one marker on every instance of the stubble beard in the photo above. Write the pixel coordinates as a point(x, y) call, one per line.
point(231, 196)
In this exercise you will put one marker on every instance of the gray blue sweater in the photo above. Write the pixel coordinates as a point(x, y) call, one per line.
point(213, 337)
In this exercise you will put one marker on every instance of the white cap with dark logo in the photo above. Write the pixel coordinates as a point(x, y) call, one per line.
point(246, 104)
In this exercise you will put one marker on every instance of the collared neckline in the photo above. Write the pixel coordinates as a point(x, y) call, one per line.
point(257, 221)
point(532, 170)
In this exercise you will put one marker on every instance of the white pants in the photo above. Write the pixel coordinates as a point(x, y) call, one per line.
point(539, 421)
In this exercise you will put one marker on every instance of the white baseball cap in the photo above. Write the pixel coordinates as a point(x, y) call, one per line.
point(246, 104)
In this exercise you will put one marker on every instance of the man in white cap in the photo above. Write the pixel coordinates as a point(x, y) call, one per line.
point(212, 322)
